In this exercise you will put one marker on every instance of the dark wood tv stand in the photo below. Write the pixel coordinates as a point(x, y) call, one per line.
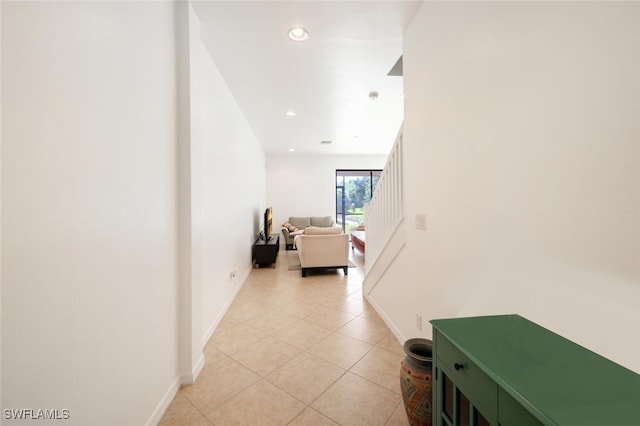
point(266, 252)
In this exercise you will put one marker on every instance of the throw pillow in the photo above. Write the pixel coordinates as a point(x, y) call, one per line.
point(289, 227)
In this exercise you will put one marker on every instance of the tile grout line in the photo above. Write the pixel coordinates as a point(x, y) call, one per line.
point(334, 303)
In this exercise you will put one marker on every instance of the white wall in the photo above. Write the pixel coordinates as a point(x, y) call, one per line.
point(191, 358)
point(233, 187)
point(305, 185)
point(1, 205)
point(89, 311)
point(521, 142)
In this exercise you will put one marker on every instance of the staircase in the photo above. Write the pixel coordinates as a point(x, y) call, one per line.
point(384, 218)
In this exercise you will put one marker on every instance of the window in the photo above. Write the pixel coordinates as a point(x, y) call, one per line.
point(354, 189)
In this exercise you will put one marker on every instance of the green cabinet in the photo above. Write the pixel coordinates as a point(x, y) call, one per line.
point(469, 395)
point(508, 371)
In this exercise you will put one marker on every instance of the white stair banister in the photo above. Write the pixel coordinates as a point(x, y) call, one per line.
point(385, 212)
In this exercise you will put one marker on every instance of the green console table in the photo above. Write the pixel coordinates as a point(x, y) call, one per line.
point(508, 371)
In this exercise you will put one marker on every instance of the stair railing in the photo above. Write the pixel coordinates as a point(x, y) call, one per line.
point(385, 212)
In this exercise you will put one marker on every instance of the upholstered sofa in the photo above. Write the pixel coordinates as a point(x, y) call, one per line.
point(323, 248)
point(296, 225)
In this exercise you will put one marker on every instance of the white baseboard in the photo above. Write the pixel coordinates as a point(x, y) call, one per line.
point(162, 406)
point(394, 329)
point(212, 328)
point(190, 378)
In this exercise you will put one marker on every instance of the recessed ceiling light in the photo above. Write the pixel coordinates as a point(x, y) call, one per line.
point(291, 150)
point(298, 34)
point(290, 113)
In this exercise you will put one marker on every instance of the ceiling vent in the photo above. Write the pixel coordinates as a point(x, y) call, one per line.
point(326, 142)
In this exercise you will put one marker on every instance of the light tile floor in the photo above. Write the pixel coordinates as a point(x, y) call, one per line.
point(297, 351)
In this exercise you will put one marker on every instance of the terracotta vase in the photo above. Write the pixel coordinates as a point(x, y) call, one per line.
point(415, 381)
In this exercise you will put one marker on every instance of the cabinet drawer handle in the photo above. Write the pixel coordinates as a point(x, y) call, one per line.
point(458, 366)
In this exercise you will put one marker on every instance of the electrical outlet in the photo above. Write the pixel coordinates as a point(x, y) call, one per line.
point(232, 275)
point(419, 322)
point(421, 222)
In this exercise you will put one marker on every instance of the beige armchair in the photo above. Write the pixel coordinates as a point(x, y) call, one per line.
point(322, 248)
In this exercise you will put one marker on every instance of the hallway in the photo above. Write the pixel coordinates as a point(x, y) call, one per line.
point(297, 351)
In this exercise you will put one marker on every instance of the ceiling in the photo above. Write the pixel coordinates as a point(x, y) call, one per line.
point(326, 79)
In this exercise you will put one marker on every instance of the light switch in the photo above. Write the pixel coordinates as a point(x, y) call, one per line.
point(421, 222)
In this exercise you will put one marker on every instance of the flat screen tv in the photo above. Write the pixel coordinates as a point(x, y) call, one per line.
point(268, 223)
